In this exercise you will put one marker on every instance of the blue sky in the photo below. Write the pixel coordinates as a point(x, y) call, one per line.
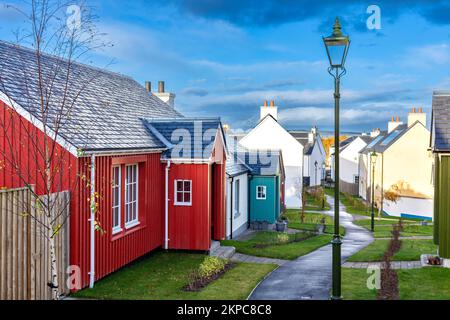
point(225, 57)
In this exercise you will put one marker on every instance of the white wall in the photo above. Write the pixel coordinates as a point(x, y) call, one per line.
point(349, 160)
point(240, 219)
point(410, 206)
point(269, 134)
point(318, 156)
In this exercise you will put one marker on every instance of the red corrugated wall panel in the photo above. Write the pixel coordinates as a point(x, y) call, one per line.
point(190, 226)
point(113, 252)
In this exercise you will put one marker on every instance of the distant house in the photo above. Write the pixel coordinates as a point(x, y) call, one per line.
point(403, 167)
point(349, 163)
point(268, 134)
point(159, 177)
point(314, 156)
point(255, 189)
point(440, 145)
point(342, 145)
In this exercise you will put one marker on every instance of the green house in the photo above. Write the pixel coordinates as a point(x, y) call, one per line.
point(266, 185)
point(440, 145)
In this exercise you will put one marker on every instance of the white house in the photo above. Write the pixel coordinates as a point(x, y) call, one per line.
point(403, 166)
point(349, 163)
point(314, 156)
point(270, 135)
point(237, 197)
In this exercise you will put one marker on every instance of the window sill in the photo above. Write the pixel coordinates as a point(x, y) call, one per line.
point(131, 225)
point(180, 204)
point(116, 230)
point(129, 229)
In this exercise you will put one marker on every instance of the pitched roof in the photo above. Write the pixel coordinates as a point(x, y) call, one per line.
point(263, 162)
point(107, 106)
point(186, 138)
point(236, 166)
point(300, 136)
point(440, 124)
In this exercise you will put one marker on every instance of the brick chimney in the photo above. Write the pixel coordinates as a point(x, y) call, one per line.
point(269, 109)
point(164, 96)
point(393, 124)
point(415, 116)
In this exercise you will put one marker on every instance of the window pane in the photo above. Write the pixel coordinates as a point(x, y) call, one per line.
point(187, 186)
point(187, 197)
point(179, 196)
point(179, 185)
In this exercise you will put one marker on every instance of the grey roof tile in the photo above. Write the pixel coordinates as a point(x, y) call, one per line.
point(441, 121)
point(107, 106)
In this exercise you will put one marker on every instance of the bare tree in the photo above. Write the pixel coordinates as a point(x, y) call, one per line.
point(64, 31)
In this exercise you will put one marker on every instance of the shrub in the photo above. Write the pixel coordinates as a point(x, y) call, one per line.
point(282, 238)
point(211, 266)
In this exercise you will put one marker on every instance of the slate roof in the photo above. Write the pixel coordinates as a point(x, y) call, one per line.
point(300, 136)
point(107, 106)
point(440, 124)
point(236, 166)
point(262, 162)
point(186, 138)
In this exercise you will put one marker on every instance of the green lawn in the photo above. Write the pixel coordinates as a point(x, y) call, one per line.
point(353, 204)
point(415, 284)
point(264, 244)
point(311, 221)
point(410, 251)
point(383, 228)
point(161, 276)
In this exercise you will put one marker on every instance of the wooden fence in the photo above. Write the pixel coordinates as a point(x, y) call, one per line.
point(350, 188)
point(24, 248)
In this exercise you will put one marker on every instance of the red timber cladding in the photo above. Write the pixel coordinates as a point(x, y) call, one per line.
point(22, 155)
point(190, 226)
point(114, 251)
point(219, 209)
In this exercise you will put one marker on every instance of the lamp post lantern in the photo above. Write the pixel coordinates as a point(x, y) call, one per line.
point(373, 161)
point(337, 45)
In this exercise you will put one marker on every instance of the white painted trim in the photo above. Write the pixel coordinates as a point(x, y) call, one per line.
point(37, 123)
point(189, 161)
point(92, 221)
point(265, 193)
point(166, 211)
point(118, 228)
point(159, 135)
point(134, 222)
point(181, 204)
point(122, 152)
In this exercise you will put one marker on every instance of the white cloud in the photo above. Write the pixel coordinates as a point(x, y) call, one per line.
point(428, 56)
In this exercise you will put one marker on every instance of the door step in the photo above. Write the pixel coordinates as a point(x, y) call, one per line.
point(221, 251)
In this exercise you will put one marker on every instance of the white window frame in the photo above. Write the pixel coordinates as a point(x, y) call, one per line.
point(264, 191)
point(176, 191)
point(134, 222)
point(237, 198)
point(118, 185)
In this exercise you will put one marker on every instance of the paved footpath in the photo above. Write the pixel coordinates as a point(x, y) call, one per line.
point(309, 277)
point(394, 265)
point(252, 259)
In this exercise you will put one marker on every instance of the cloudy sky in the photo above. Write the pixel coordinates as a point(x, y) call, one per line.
point(225, 57)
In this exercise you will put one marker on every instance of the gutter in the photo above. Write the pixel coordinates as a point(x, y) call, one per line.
point(231, 207)
point(250, 178)
point(166, 209)
point(92, 226)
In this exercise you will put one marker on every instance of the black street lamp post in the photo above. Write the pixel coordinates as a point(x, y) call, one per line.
point(373, 161)
point(315, 165)
point(337, 48)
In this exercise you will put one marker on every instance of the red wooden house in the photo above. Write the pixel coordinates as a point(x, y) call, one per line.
point(159, 177)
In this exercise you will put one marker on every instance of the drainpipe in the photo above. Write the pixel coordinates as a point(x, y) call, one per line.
point(231, 207)
point(92, 221)
point(166, 211)
point(250, 177)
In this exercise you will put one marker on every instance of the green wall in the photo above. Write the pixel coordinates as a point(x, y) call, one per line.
point(268, 209)
point(442, 210)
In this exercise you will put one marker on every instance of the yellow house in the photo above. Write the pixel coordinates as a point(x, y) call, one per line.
point(402, 171)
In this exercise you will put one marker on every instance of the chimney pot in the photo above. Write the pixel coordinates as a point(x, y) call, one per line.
point(148, 86)
point(272, 103)
point(265, 103)
point(414, 110)
point(398, 119)
point(161, 86)
point(420, 110)
point(392, 119)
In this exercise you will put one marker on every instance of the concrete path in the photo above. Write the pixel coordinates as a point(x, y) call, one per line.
point(309, 277)
point(394, 265)
point(252, 259)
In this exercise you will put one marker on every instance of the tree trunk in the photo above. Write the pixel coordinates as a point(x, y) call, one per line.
point(53, 266)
